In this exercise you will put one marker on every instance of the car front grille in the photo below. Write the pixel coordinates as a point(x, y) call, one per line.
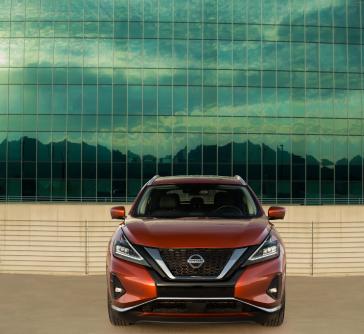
point(214, 261)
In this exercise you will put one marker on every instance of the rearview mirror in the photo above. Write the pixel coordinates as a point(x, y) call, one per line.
point(276, 212)
point(117, 212)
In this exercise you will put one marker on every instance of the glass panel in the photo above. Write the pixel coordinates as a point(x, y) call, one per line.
point(14, 146)
point(44, 149)
point(29, 146)
point(16, 99)
point(4, 99)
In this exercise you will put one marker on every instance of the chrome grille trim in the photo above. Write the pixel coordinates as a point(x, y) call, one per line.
point(237, 253)
point(154, 253)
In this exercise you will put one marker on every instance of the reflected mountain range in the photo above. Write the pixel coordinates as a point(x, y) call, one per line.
point(262, 165)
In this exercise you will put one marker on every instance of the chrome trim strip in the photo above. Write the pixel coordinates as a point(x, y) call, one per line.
point(268, 310)
point(126, 309)
point(237, 253)
point(152, 179)
point(240, 179)
point(155, 254)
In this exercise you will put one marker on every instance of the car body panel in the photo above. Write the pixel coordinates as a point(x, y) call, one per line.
point(196, 233)
point(136, 280)
point(253, 284)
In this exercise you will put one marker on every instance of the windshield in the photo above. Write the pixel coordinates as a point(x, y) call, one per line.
point(196, 200)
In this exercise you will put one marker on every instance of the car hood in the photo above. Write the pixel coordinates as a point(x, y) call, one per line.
point(196, 233)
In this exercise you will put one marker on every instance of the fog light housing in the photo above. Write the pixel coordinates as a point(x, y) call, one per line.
point(275, 287)
point(117, 288)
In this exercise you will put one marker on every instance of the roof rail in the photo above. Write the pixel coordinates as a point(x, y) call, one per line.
point(152, 180)
point(238, 177)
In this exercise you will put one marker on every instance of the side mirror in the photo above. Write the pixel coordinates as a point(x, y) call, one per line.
point(276, 212)
point(117, 212)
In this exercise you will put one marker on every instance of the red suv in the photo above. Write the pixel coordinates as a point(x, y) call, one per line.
point(196, 249)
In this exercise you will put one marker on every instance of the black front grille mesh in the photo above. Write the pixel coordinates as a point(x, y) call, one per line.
point(176, 261)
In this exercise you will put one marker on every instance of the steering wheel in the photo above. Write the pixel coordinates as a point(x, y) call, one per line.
point(229, 210)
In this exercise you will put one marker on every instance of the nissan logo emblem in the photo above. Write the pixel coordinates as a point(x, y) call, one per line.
point(195, 261)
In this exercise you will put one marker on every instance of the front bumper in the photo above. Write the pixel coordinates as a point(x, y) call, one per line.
point(148, 297)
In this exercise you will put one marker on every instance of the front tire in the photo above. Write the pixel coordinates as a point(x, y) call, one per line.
point(275, 319)
point(116, 318)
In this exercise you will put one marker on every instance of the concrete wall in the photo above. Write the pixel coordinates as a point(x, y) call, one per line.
point(72, 239)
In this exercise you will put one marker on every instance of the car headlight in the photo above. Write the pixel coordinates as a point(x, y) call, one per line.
point(268, 250)
point(123, 249)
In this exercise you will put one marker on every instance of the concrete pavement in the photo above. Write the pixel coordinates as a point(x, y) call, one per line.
point(35, 304)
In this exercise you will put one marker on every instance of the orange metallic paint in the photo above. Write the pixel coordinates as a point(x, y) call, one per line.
point(196, 233)
point(118, 212)
point(276, 212)
point(252, 285)
point(136, 280)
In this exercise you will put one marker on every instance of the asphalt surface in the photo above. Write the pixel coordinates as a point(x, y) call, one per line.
point(55, 304)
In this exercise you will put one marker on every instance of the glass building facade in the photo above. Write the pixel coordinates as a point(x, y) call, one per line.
point(96, 97)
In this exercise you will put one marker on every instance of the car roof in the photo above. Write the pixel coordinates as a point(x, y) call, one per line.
point(197, 179)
